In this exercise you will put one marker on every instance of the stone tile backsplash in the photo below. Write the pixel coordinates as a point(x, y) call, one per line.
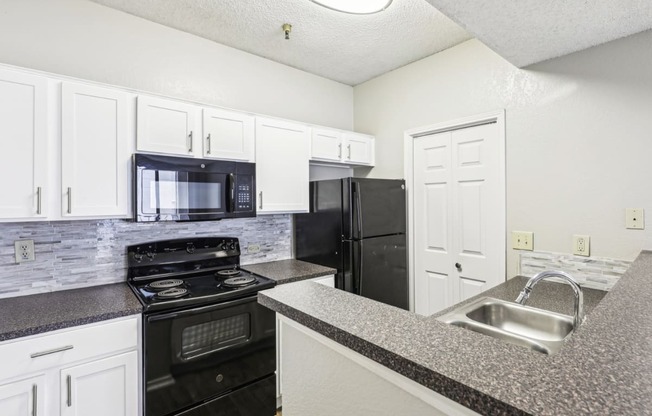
point(592, 272)
point(73, 254)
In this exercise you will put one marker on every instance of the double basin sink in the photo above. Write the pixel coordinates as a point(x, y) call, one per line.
point(537, 329)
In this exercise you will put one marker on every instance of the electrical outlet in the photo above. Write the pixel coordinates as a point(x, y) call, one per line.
point(635, 218)
point(24, 250)
point(581, 245)
point(522, 240)
point(253, 248)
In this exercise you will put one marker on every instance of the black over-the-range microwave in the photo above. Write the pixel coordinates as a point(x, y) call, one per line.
point(171, 188)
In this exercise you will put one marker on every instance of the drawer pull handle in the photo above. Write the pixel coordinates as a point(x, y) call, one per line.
point(69, 383)
point(34, 400)
point(48, 352)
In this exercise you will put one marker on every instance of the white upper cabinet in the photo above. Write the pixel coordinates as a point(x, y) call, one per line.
point(228, 135)
point(337, 147)
point(282, 166)
point(359, 149)
point(24, 155)
point(168, 126)
point(326, 145)
point(95, 155)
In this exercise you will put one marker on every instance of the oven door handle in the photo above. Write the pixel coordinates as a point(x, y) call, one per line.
point(201, 309)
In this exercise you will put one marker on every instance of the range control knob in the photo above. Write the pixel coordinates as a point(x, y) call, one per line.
point(223, 246)
point(190, 248)
point(138, 256)
point(232, 246)
point(150, 255)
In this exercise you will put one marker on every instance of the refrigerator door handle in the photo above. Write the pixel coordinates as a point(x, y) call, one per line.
point(360, 269)
point(357, 207)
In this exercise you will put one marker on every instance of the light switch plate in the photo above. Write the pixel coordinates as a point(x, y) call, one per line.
point(581, 245)
point(523, 240)
point(635, 218)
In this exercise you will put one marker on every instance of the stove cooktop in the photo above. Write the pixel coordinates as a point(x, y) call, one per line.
point(197, 289)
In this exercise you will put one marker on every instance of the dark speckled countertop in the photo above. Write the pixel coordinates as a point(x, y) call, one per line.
point(35, 314)
point(287, 271)
point(605, 368)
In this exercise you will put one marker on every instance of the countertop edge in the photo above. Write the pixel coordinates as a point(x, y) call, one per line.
point(42, 329)
point(438, 383)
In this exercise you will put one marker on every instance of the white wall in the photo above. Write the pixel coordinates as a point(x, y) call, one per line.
point(579, 134)
point(82, 39)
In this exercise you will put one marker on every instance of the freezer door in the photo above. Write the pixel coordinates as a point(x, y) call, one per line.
point(377, 207)
point(380, 269)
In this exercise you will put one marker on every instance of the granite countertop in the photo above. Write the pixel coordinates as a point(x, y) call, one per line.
point(287, 271)
point(604, 368)
point(36, 314)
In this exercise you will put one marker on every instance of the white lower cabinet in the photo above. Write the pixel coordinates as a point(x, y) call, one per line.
point(89, 370)
point(21, 398)
point(107, 387)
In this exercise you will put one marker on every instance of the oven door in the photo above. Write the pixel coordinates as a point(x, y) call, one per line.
point(198, 354)
point(178, 195)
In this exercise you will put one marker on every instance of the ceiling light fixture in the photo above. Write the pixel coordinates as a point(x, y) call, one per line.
point(355, 6)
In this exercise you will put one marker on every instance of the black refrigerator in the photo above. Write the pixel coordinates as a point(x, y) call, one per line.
point(357, 226)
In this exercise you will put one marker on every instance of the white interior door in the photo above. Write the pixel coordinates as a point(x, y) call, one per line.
point(459, 215)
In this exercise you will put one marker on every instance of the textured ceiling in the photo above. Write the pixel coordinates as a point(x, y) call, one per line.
point(347, 48)
point(530, 31)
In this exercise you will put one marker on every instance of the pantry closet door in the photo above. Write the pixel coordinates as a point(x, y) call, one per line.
point(459, 215)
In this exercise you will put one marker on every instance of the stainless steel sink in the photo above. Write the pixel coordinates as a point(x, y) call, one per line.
point(534, 328)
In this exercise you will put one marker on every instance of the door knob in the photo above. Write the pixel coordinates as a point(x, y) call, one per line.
point(458, 266)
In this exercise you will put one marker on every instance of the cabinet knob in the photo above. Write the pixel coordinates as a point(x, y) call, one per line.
point(458, 266)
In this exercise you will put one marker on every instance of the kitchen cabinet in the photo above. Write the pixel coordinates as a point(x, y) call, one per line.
point(21, 398)
point(359, 149)
point(168, 126)
point(282, 166)
point(95, 156)
point(228, 135)
point(24, 155)
point(107, 387)
point(337, 147)
point(85, 370)
point(326, 145)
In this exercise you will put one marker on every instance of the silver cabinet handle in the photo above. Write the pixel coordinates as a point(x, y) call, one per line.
point(69, 200)
point(349, 149)
point(339, 150)
point(190, 146)
point(260, 199)
point(48, 352)
point(34, 400)
point(38, 200)
point(208, 140)
point(69, 383)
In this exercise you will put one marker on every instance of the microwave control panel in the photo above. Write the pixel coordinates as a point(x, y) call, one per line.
point(244, 193)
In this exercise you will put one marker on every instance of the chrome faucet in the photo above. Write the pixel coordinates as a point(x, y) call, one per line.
point(579, 297)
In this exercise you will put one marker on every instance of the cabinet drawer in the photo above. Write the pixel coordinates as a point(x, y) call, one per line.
point(42, 352)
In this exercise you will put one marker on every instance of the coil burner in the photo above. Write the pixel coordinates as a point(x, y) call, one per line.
point(228, 273)
point(175, 292)
point(165, 284)
point(239, 281)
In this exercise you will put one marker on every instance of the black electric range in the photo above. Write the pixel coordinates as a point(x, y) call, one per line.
point(209, 347)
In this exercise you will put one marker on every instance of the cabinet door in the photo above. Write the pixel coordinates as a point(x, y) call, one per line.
point(282, 154)
point(106, 387)
point(23, 398)
point(166, 126)
point(23, 133)
point(228, 135)
point(359, 149)
point(95, 158)
point(326, 145)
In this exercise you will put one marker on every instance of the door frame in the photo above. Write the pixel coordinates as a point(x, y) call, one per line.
point(497, 117)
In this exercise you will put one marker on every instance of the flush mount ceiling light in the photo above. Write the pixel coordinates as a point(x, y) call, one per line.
point(355, 6)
